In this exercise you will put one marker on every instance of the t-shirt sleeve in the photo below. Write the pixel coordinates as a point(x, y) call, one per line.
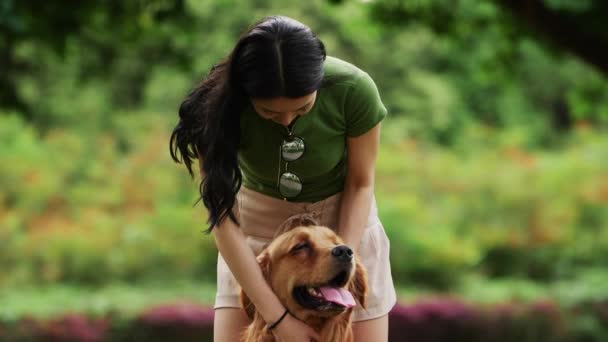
point(363, 108)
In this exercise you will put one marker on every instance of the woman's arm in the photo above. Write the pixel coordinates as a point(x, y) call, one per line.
point(241, 260)
point(359, 186)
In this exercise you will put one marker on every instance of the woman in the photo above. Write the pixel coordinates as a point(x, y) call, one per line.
point(283, 131)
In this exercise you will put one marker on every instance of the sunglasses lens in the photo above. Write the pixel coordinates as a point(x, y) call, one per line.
point(289, 185)
point(292, 149)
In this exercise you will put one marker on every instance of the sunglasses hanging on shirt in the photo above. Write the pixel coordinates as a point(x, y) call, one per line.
point(292, 149)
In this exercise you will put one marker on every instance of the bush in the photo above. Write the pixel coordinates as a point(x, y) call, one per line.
point(106, 207)
point(493, 207)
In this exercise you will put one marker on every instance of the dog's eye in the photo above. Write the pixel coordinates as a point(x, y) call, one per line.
point(300, 246)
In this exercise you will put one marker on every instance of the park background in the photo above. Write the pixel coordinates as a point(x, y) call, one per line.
point(492, 179)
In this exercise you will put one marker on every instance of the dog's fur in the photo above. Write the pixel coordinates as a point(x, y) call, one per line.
point(286, 267)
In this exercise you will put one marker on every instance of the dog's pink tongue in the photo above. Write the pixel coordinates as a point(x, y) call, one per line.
point(338, 295)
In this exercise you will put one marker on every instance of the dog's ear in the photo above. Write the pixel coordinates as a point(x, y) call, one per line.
point(246, 303)
point(264, 262)
point(358, 286)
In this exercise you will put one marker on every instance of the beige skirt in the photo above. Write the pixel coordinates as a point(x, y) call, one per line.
point(261, 215)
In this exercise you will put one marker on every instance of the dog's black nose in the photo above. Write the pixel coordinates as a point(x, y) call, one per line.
point(343, 253)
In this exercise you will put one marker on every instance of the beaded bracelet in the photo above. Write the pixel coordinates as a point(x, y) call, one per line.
point(273, 325)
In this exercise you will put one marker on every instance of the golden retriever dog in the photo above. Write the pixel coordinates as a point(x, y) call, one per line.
point(316, 277)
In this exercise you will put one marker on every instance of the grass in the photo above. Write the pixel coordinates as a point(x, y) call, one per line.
point(589, 284)
point(126, 299)
point(130, 299)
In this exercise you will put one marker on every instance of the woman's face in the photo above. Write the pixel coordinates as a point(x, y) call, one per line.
point(283, 110)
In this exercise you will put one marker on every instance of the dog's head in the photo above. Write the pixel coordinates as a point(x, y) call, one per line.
point(313, 273)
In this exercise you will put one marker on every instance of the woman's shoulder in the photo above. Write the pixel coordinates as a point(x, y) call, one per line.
point(341, 71)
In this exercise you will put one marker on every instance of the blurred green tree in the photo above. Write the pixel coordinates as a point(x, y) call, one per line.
point(511, 59)
point(439, 64)
point(576, 26)
point(104, 28)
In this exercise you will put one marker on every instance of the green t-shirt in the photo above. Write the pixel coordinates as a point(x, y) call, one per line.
point(348, 107)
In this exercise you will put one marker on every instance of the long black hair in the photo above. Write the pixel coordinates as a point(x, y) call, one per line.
point(277, 56)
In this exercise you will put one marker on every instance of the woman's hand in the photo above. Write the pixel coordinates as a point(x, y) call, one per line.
point(292, 329)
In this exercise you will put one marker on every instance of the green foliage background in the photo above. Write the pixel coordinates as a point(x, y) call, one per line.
point(493, 166)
